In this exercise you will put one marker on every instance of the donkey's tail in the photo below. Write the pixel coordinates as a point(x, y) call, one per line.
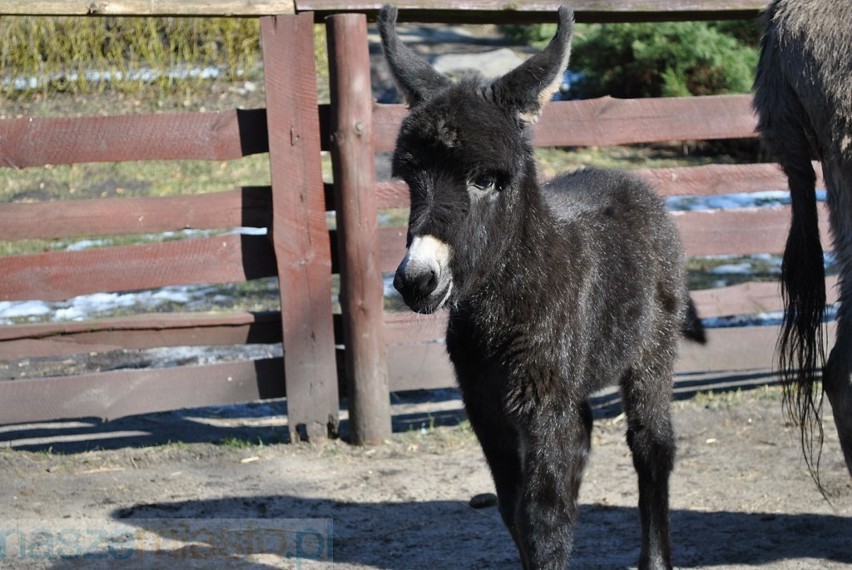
point(801, 354)
point(692, 328)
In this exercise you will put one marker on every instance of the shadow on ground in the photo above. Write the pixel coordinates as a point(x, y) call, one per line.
point(370, 534)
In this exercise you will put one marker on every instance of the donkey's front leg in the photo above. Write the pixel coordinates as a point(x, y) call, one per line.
point(555, 446)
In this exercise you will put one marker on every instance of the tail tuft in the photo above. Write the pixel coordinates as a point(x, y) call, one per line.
point(693, 329)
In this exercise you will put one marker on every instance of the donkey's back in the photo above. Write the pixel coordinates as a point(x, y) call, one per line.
point(617, 201)
point(635, 297)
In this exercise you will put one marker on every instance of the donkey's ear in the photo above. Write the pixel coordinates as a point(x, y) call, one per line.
point(413, 74)
point(526, 89)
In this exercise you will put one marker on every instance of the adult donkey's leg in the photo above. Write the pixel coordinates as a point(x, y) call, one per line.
point(647, 396)
point(837, 377)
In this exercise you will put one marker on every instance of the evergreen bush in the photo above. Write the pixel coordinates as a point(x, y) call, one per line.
point(656, 59)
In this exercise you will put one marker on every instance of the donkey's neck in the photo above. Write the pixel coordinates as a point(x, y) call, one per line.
point(526, 250)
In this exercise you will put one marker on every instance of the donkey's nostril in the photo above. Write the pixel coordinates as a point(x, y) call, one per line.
point(426, 282)
point(415, 281)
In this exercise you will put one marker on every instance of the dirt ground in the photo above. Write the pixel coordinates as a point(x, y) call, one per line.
point(208, 485)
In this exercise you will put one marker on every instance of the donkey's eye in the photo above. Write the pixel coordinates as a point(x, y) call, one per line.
point(484, 182)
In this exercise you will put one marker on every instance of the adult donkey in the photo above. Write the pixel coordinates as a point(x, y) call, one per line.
point(554, 292)
point(804, 102)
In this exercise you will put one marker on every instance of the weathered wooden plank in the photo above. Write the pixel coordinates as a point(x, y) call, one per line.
point(744, 231)
point(361, 293)
point(742, 299)
point(706, 180)
point(728, 351)
point(139, 332)
point(119, 393)
point(734, 349)
point(606, 121)
point(56, 276)
point(476, 11)
point(716, 179)
point(223, 135)
point(749, 298)
point(147, 7)
point(245, 207)
point(544, 10)
point(300, 234)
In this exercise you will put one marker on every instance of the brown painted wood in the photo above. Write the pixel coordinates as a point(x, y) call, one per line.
point(245, 207)
point(139, 332)
point(495, 11)
point(404, 329)
point(749, 298)
point(469, 11)
point(147, 7)
point(111, 395)
point(362, 295)
point(707, 180)
point(728, 351)
point(745, 231)
point(606, 121)
point(223, 135)
point(300, 233)
point(716, 179)
point(734, 349)
point(57, 276)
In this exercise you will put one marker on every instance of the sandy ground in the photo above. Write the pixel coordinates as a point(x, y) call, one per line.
point(226, 496)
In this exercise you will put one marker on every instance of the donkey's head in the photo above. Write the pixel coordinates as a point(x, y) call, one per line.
point(464, 151)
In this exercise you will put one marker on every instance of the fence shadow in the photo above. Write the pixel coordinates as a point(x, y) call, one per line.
point(265, 422)
point(396, 536)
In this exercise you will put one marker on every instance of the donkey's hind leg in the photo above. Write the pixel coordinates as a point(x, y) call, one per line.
point(647, 396)
point(837, 377)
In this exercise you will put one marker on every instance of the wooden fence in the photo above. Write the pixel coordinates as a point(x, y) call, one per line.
point(383, 351)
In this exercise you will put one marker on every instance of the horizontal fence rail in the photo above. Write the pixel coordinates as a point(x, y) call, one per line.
point(607, 121)
point(419, 10)
point(140, 332)
point(244, 207)
point(58, 276)
point(35, 141)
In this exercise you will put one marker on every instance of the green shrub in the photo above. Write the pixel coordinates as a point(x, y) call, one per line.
point(60, 51)
point(655, 59)
point(661, 59)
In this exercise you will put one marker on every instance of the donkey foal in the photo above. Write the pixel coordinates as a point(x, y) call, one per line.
point(554, 292)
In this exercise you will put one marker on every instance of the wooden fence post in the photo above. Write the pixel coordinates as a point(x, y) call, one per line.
point(362, 298)
point(299, 230)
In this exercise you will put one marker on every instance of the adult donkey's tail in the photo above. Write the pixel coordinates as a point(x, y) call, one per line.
point(783, 126)
point(800, 347)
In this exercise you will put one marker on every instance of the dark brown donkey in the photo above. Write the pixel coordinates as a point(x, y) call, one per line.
point(554, 291)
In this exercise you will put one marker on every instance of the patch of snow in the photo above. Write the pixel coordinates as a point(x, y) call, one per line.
point(734, 200)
